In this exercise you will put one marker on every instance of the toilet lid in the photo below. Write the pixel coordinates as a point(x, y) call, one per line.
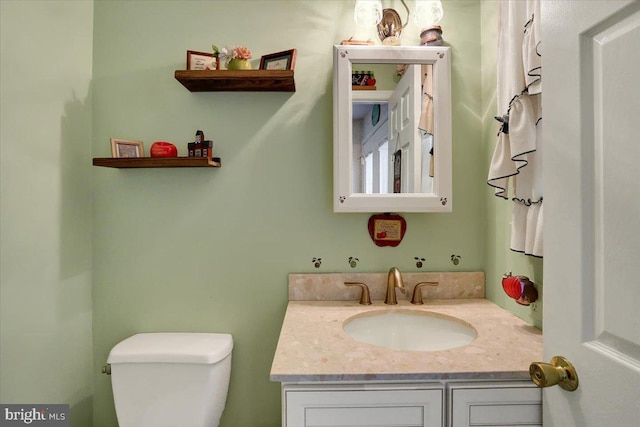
point(172, 347)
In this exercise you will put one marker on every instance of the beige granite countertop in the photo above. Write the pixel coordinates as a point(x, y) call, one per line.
point(314, 347)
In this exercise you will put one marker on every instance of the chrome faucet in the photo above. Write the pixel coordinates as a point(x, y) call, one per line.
point(394, 280)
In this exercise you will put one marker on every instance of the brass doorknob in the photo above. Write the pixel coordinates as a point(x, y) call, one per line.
point(560, 371)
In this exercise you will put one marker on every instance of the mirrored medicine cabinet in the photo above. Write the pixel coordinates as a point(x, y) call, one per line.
point(392, 129)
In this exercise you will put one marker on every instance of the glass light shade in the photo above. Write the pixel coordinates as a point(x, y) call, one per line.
point(427, 13)
point(367, 12)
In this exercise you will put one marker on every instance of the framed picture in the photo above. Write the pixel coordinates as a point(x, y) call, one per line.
point(285, 60)
point(387, 230)
point(201, 60)
point(123, 148)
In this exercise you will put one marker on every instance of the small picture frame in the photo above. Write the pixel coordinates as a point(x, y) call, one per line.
point(285, 60)
point(386, 229)
point(201, 61)
point(124, 148)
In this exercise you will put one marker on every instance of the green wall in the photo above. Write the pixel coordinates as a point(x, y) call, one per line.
point(45, 226)
point(191, 249)
point(210, 250)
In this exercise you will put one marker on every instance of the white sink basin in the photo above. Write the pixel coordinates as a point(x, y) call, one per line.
point(410, 330)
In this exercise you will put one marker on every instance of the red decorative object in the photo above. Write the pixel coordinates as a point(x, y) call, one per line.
point(520, 288)
point(512, 286)
point(163, 149)
point(387, 229)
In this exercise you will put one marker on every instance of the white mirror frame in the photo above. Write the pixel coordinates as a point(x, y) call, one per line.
point(345, 200)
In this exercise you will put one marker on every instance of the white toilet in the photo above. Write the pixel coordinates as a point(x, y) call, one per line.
point(171, 379)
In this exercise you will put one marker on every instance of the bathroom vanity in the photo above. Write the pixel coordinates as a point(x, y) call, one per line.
point(331, 379)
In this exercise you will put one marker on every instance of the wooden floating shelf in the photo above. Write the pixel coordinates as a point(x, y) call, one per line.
point(155, 162)
point(357, 87)
point(237, 81)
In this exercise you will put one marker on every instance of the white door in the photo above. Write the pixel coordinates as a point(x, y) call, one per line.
point(591, 119)
point(404, 135)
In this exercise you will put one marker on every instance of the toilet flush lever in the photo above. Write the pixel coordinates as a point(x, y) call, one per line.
point(106, 369)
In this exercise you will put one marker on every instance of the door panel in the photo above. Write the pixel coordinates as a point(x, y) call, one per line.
point(404, 107)
point(614, 149)
point(333, 407)
point(591, 111)
point(496, 405)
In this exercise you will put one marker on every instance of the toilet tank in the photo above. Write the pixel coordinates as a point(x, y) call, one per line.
point(171, 379)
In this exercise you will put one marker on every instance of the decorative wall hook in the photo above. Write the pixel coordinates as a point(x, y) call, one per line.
point(504, 119)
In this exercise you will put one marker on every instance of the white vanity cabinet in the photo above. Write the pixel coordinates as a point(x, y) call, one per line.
point(375, 405)
point(438, 404)
point(494, 404)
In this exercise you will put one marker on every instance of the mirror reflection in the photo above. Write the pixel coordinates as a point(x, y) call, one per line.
point(392, 129)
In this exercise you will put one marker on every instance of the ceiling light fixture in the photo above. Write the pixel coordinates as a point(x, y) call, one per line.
point(426, 14)
point(367, 12)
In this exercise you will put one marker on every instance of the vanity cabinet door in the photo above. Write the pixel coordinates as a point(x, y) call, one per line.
point(515, 404)
point(331, 407)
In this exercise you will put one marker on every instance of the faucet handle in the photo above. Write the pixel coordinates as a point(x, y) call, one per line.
point(417, 292)
point(365, 299)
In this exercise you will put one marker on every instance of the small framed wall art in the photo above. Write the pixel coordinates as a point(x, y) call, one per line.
point(123, 148)
point(284, 60)
point(387, 229)
point(201, 61)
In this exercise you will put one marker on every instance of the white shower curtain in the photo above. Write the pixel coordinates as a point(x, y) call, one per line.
point(516, 168)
